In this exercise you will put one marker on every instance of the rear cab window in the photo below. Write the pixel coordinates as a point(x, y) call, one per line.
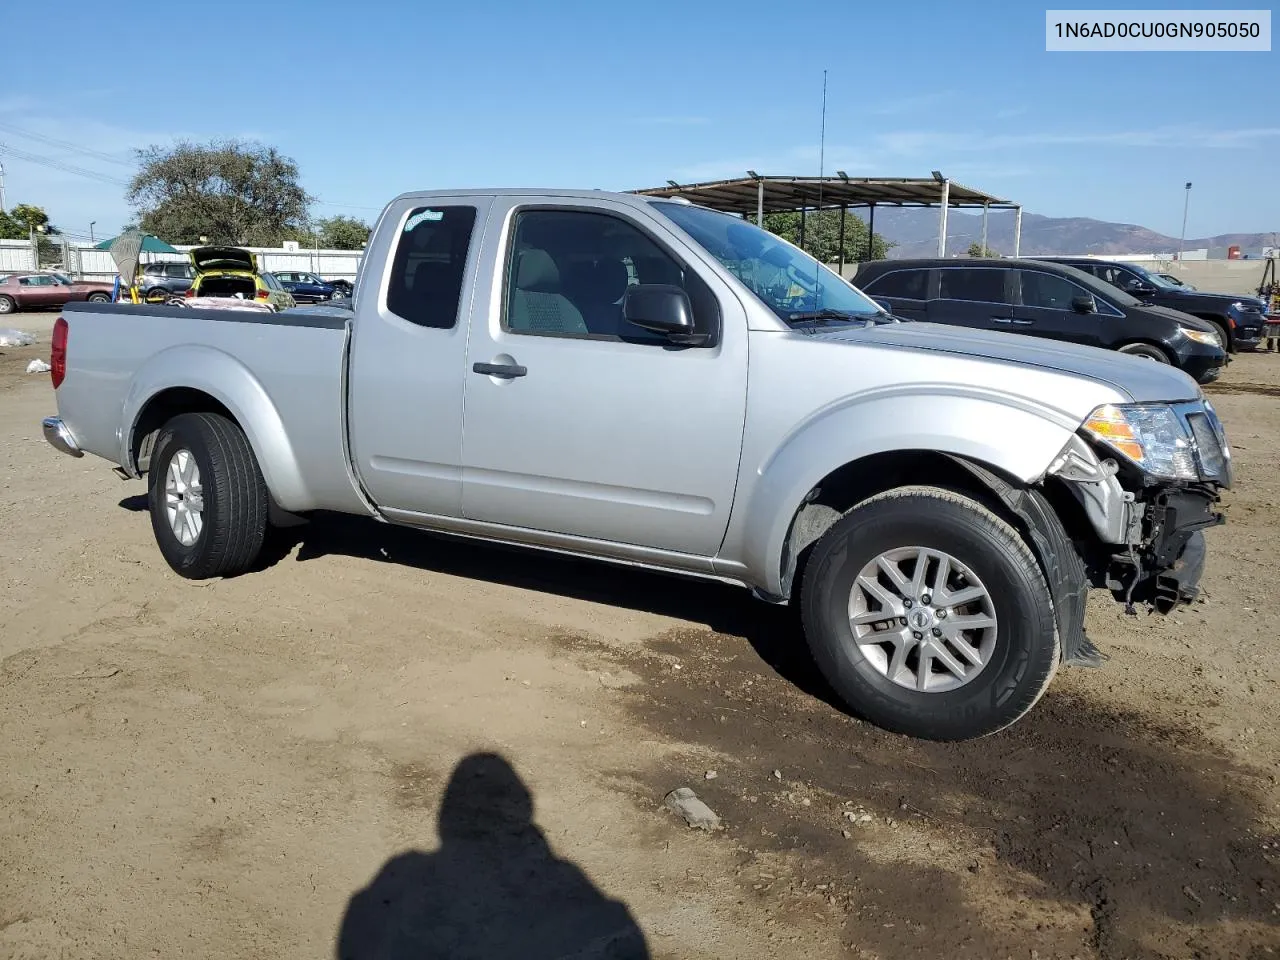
point(427, 268)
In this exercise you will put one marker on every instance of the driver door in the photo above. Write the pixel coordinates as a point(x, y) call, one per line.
point(579, 424)
point(39, 290)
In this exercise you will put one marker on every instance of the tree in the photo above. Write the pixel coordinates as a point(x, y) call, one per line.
point(342, 233)
point(232, 192)
point(978, 250)
point(18, 223)
point(822, 235)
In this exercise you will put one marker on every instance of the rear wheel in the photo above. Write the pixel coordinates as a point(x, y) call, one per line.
point(929, 616)
point(99, 298)
point(1145, 350)
point(207, 497)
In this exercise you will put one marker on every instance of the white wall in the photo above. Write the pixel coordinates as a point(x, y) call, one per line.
point(93, 264)
point(15, 256)
point(86, 263)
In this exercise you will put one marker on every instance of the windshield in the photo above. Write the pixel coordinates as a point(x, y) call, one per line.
point(789, 282)
point(1101, 288)
point(1160, 282)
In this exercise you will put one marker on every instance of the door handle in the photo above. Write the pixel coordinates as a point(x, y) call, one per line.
point(1022, 322)
point(1002, 319)
point(508, 371)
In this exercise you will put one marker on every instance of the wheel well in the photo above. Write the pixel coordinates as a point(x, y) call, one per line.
point(1147, 343)
point(162, 408)
point(847, 486)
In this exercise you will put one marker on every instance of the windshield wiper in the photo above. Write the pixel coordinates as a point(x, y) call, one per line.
point(828, 313)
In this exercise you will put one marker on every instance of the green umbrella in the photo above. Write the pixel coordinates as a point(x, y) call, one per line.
point(150, 244)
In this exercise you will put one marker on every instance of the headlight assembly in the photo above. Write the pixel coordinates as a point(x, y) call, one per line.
point(1201, 336)
point(1151, 436)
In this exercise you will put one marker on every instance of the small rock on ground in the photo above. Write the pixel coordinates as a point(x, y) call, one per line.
point(696, 813)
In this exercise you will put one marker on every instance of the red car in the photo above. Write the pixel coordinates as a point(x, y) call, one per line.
point(32, 291)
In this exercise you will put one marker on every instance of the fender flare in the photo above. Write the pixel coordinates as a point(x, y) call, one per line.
point(225, 379)
point(1014, 435)
point(1060, 562)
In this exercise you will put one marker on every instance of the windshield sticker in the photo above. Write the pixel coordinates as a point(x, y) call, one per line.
point(423, 216)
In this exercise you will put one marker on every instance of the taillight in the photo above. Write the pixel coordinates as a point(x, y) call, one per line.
point(191, 292)
point(263, 294)
point(58, 353)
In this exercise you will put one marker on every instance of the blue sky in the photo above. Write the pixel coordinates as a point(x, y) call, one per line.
point(374, 98)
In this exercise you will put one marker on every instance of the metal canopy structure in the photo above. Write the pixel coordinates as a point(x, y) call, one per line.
point(759, 194)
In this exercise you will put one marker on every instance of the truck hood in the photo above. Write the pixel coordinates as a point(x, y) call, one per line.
point(207, 259)
point(1144, 381)
point(1189, 299)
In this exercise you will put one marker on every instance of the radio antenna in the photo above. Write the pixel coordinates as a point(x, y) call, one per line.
point(822, 160)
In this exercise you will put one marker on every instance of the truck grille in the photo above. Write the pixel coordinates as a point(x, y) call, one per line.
point(1210, 446)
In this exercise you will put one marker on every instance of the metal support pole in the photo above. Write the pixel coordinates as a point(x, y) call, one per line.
point(871, 234)
point(760, 203)
point(802, 219)
point(844, 213)
point(1017, 231)
point(1186, 204)
point(984, 229)
point(942, 220)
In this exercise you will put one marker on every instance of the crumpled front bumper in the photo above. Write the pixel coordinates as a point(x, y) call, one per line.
point(1165, 571)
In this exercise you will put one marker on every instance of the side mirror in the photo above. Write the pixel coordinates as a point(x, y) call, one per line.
point(1084, 304)
point(1139, 289)
point(662, 308)
point(883, 305)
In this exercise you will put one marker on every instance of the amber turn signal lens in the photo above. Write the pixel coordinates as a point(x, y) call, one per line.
point(1110, 424)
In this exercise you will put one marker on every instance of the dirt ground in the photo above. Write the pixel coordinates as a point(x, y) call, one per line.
point(384, 737)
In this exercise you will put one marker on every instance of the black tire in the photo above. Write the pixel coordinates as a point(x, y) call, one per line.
point(1025, 652)
point(99, 298)
point(7, 305)
point(235, 499)
point(1147, 351)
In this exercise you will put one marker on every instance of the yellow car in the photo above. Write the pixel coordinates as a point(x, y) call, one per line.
point(233, 271)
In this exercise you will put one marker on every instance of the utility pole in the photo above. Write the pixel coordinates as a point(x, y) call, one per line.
point(1, 188)
point(1186, 204)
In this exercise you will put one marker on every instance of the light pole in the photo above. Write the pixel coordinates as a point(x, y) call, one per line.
point(1186, 204)
point(92, 224)
point(35, 245)
point(1, 188)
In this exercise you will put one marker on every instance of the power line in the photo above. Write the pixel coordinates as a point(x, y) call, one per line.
point(65, 144)
point(53, 164)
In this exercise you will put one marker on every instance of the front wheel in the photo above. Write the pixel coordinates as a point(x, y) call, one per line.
point(7, 305)
point(929, 616)
point(207, 497)
point(1145, 350)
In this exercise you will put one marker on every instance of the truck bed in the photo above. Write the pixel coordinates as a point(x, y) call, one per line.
point(280, 374)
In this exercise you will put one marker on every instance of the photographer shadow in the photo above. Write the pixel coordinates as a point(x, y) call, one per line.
point(493, 889)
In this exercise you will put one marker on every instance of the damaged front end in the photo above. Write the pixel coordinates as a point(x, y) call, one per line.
point(1148, 477)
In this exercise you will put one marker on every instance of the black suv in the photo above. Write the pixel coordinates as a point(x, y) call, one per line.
point(1239, 320)
point(165, 279)
point(1042, 299)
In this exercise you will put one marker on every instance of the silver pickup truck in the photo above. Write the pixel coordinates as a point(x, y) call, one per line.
point(653, 383)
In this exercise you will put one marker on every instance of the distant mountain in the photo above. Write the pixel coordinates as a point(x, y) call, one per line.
point(915, 230)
